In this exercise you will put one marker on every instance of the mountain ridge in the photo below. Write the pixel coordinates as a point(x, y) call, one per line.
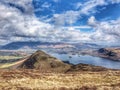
point(46, 63)
point(37, 44)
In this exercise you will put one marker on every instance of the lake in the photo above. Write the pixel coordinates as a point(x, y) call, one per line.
point(87, 59)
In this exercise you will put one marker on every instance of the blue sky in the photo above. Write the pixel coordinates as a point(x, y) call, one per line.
point(93, 21)
point(103, 12)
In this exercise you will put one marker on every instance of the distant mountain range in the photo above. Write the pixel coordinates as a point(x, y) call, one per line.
point(37, 45)
point(20, 45)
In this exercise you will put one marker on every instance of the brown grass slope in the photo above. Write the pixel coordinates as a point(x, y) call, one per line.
point(85, 67)
point(45, 63)
point(35, 80)
point(39, 72)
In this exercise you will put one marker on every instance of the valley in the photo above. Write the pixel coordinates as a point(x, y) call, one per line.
point(40, 71)
point(59, 44)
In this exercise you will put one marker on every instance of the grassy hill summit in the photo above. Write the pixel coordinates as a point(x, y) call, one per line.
point(45, 63)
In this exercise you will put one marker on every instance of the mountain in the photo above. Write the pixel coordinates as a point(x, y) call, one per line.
point(88, 46)
point(53, 45)
point(45, 63)
point(24, 44)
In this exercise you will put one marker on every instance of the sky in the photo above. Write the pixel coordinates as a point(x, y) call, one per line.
point(72, 21)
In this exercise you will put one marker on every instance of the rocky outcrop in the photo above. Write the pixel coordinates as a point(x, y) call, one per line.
point(109, 53)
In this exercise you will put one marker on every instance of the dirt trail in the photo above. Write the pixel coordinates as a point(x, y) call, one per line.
point(18, 63)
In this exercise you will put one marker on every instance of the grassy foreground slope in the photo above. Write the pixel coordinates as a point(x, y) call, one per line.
point(42, 72)
point(35, 80)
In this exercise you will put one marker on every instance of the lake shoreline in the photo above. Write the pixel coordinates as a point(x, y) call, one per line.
point(88, 59)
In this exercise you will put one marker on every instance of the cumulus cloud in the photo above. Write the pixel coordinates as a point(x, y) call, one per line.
point(69, 17)
point(46, 5)
point(26, 5)
point(16, 25)
point(20, 26)
point(86, 8)
point(92, 21)
point(107, 31)
point(114, 1)
point(72, 16)
point(89, 7)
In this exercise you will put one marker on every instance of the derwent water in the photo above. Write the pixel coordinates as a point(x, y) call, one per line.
point(87, 59)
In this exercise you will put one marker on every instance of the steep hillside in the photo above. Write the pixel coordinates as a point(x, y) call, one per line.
point(45, 63)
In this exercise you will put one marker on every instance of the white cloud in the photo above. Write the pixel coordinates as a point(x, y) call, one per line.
point(25, 4)
point(92, 21)
point(72, 16)
point(69, 17)
point(18, 26)
point(15, 25)
point(87, 8)
point(114, 1)
point(77, 5)
point(106, 31)
point(90, 6)
point(46, 5)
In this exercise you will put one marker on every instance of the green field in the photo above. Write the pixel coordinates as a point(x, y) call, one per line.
point(7, 65)
point(9, 57)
